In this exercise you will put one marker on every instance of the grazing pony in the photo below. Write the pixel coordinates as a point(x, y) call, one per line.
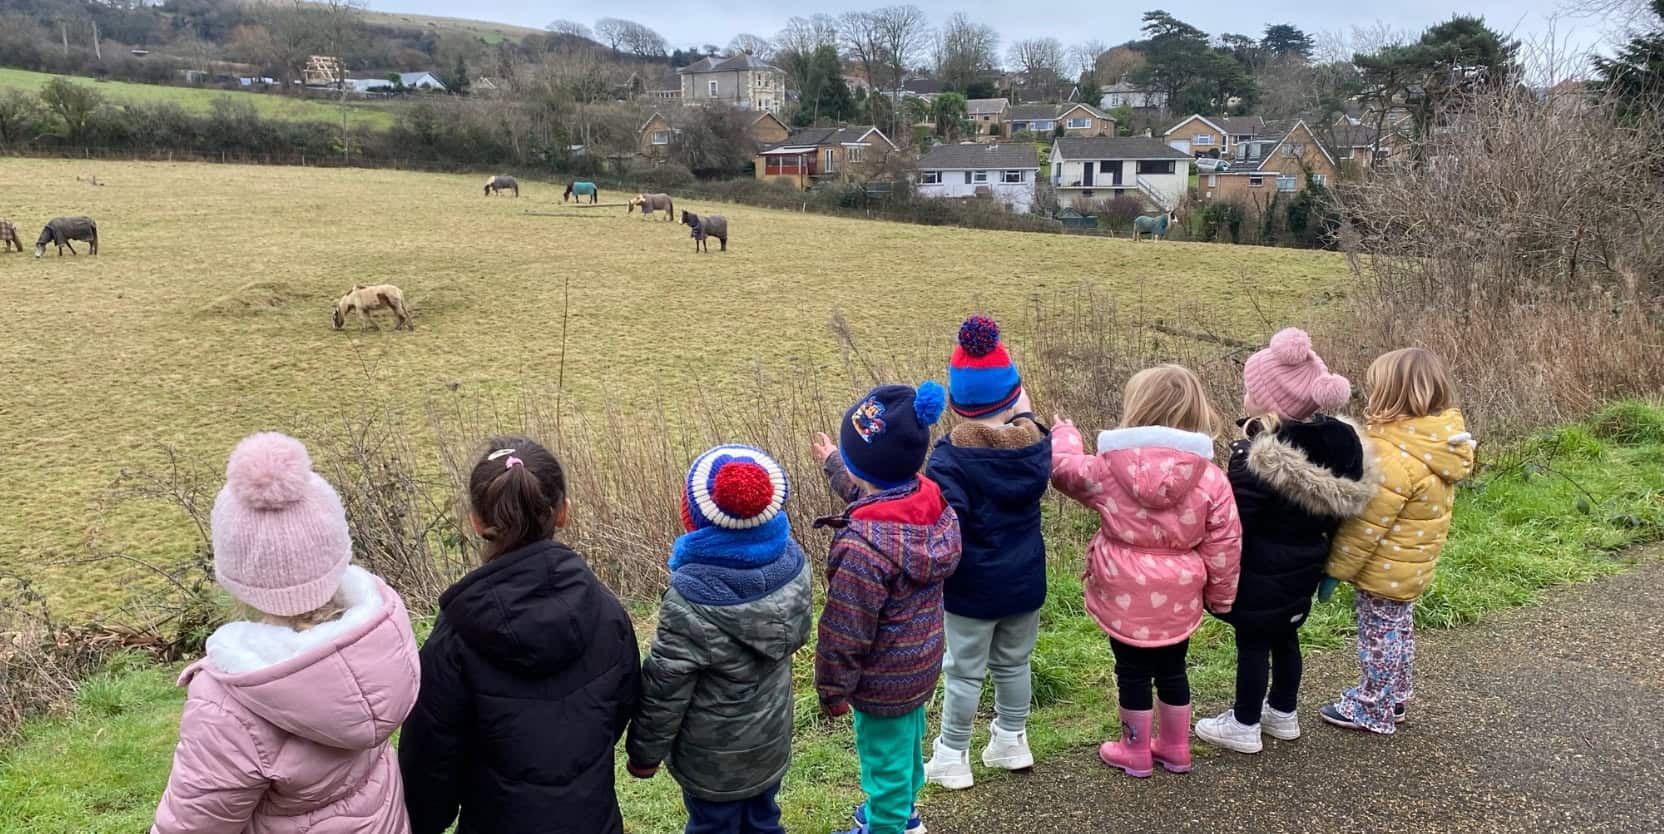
point(582, 189)
point(62, 230)
point(650, 203)
point(1156, 226)
point(364, 298)
point(501, 182)
point(712, 225)
point(8, 236)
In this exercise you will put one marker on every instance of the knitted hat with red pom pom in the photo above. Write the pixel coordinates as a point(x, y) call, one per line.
point(733, 487)
point(981, 377)
point(1289, 379)
point(280, 534)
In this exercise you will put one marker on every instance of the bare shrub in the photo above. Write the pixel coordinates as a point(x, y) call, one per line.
point(41, 660)
point(1519, 239)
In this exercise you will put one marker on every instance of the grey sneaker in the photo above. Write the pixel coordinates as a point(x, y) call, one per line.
point(1224, 731)
point(1279, 724)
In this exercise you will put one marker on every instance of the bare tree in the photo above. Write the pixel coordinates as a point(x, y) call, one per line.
point(612, 31)
point(903, 33)
point(570, 27)
point(756, 46)
point(804, 34)
point(859, 32)
point(1040, 60)
point(964, 51)
point(1118, 63)
point(1083, 59)
point(640, 40)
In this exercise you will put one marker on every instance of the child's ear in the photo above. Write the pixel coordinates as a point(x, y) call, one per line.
point(563, 513)
point(477, 523)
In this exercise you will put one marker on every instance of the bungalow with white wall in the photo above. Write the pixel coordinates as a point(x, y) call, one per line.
point(1006, 172)
point(1102, 167)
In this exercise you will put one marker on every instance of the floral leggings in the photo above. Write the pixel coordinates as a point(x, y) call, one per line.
point(1387, 652)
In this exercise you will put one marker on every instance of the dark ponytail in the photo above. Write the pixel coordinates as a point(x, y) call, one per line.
point(515, 489)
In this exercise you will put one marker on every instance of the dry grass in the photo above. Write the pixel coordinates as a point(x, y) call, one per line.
point(206, 317)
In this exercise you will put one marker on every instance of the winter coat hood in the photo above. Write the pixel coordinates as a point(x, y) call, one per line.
point(1316, 465)
point(1144, 462)
point(1438, 442)
point(518, 609)
point(919, 518)
point(347, 683)
point(1010, 465)
point(721, 595)
point(995, 477)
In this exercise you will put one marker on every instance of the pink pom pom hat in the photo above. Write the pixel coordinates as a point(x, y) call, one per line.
point(1290, 380)
point(279, 531)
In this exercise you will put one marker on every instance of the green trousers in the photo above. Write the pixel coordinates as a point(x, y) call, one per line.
point(892, 767)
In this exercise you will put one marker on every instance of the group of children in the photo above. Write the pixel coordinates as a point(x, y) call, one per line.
point(512, 709)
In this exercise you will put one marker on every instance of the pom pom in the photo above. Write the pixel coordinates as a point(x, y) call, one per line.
point(1291, 346)
point(1331, 391)
point(742, 489)
point(979, 335)
point(269, 471)
point(928, 402)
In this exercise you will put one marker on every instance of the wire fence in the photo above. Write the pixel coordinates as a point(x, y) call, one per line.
point(230, 157)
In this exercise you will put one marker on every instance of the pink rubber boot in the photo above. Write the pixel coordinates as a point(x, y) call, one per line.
point(1171, 746)
point(1132, 752)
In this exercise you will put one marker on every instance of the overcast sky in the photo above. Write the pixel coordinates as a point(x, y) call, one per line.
point(687, 24)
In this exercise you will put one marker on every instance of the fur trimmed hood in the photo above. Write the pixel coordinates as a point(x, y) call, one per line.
point(1284, 460)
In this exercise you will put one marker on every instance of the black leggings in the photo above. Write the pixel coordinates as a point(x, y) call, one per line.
point(1255, 650)
point(1136, 667)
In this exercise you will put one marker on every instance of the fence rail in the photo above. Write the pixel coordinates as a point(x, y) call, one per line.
point(250, 158)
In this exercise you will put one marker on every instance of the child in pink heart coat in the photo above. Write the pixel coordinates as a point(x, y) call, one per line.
point(1170, 546)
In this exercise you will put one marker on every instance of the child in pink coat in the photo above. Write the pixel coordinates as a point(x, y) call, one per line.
point(1170, 546)
point(287, 719)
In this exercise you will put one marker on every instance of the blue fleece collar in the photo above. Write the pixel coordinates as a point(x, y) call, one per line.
point(708, 584)
point(723, 547)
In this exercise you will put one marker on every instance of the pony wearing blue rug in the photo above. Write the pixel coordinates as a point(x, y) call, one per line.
point(578, 190)
point(709, 226)
point(1157, 226)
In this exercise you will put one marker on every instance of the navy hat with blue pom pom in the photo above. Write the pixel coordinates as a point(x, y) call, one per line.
point(886, 435)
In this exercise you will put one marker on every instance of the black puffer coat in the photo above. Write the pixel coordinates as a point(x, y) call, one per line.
point(528, 681)
point(1293, 488)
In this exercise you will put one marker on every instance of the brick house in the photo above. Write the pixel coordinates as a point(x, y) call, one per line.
point(658, 133)
point(741, 81)
point(1220, 136)
point(1084, 120)
point(819, 154)
point(988, 114)
point(1282, 160)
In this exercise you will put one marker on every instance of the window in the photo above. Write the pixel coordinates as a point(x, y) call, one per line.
point(1286, 183)
point(1320, 179)
point(1293, 149)
point(661, 137)
point(1202, 139)
point(855, 153)
point(831, 159)
point(778, 165)
point(1043, 126)
point(1156, 166)
point(1345, 153)
point(713, 88)
point(1079, 123)
point(930, 178)
point(1012, 176)
point(1213, 180)
point(1256, 181)
point(979, 176)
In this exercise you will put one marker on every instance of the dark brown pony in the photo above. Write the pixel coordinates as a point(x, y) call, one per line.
point(711, 225)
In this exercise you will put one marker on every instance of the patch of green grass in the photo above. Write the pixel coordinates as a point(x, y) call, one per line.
point(1542, 513)
point(378, 115)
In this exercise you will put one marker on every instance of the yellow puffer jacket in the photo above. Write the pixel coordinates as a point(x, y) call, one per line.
point(1391, 550)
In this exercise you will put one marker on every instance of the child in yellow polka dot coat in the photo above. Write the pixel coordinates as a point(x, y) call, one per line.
point(1422, 449)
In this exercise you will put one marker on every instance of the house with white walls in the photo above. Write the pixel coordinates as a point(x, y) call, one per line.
point(1103, 167)
point(1005, 172)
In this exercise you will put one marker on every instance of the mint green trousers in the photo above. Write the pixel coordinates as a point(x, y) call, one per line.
point(892, 767)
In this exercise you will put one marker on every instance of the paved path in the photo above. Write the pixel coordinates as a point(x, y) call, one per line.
point(1543, 719)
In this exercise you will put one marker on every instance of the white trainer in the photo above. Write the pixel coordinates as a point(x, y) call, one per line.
point(1223, 730)
point(1007, 751)
point(948, 767)
point(1279, 724)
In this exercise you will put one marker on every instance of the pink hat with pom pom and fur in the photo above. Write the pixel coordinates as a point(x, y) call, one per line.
point(1289, 379)
point(280, 534)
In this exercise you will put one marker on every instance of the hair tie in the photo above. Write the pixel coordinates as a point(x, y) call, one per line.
point(499, 453)
point(513, 462)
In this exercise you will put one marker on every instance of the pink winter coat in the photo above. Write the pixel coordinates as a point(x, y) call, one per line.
point(286, 731)
point(1169, 543)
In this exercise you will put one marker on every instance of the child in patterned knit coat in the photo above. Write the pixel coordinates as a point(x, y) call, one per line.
point(1389, 552)
point(994, 467)
point(880, 639)
point(1168, 546)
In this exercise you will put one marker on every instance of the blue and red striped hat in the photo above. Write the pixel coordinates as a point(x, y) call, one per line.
point(982, 380)
point(734, 487)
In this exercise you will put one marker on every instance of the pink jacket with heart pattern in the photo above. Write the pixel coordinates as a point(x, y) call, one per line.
point(1169, 543)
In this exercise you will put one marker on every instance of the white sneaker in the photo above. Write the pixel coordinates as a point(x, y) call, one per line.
point(1007, 751)
point(1279, 724)
point(948, 767)
point(1225, 731)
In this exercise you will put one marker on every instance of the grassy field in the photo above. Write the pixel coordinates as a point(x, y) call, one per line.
point(379, 115)
point(486, 31)
point(1559, 508)
point(206, 315)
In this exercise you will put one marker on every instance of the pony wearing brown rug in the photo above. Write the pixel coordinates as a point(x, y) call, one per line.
point(501, 183)
point(711, 225)
point(62, 230)
point(8, 236)
point(649, 203)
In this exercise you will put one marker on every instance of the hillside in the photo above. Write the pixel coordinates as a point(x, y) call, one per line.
point(486, 31)
point(375, 114)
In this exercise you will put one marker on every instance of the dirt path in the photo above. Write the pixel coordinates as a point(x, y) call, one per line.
point(1548, 718)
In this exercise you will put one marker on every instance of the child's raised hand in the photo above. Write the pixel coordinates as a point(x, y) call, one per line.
point(1060, 420)
point(823, 446)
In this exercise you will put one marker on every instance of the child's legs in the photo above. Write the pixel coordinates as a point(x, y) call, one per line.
point(1382, 628)
point(712, 817)
point(1172, 680)
point(1253, 662)
point(1008, 660)
point(1404, 688)
point(962, 670)
point(1134, 670)
point(1286, 668)
point(762, 814)
point(892, 767)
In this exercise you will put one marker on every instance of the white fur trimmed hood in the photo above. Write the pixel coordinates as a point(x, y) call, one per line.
point(1156, 437)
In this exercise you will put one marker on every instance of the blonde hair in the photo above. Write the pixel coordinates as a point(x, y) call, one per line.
point(331, 610)
point(1168, 395)
point(1406, 383)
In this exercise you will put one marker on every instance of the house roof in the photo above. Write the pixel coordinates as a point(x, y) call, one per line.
point(1276, 133)
point(736, 63)
point(1031, 112)
point(923, 86)
point(1095, 112)
point(809, 138)
point(1062, 91)
point(980, 157)
point(1195, 117)
point(409, 79)
point(1116, 147)
point(986, 106)
point(668, 81)
point(1351, 136)
point(1240, 125)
